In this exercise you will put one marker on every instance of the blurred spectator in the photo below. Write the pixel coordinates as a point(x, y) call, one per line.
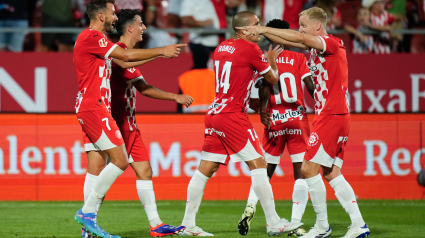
point(361, 43)
point(13, 14)
point(156, 17)
point(334, 16)
point(380, 20)
point(203, 14)
point(398, 9)
point(287, 10)
point(57, 14)
point(173, 11)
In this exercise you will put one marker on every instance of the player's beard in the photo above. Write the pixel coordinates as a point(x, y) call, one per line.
point(108, 26)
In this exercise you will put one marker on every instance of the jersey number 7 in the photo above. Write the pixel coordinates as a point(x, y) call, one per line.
point(225, 75)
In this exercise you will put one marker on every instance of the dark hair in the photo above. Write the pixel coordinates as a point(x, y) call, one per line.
point(278, 24)
point(95, 6)
point(125, 18)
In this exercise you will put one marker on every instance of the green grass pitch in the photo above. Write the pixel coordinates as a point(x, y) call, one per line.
point(128, 219)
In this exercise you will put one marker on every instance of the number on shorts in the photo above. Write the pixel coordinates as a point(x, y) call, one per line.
point(253, 135)
point(225, 75)
point(285, 92)
point(107, 122)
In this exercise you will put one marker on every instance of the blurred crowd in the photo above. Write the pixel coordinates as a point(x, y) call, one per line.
point(383, 16)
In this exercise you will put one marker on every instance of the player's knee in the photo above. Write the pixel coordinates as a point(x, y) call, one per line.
point(122, 164)
point(305, 170)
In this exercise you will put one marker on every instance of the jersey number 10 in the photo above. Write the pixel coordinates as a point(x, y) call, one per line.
point(285, 93)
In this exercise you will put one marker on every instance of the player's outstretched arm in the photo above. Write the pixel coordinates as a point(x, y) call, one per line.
point(264, 94)
point(127, 65)
point(272, 76)
point(308, 81)
point(288, 35)
point(170, 51)
point(284, 42)
point(150, 91)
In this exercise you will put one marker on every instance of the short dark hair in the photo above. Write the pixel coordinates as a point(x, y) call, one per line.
point(278, 24)
point(126, 17)
point(241, 19)
point(95, 6)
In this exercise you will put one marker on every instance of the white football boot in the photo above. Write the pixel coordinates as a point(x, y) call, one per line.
point(315, 233)
point(245, 222)
point(283, 226)
point(195, 231)
point(357, 232)
point(298, 232)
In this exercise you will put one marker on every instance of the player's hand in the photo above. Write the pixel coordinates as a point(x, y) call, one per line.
point(205, 23)
point(265, 119)
point(184, 100)
point(172, 51)
point(272, 54)
point(252, 30)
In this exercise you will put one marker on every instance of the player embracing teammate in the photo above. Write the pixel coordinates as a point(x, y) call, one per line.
point(228, 132)
point(93, 55)
point(283, 114)
point(328, 65)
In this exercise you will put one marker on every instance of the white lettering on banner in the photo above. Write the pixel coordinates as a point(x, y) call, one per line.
point(158, 159)
point(76, 150)
point(415, 91)
point(371, 158)
point(50, 163)
point(191, 166)
point(401, 101)
point(39, 104)
point(26, 159)
point(31, 156)
point(375, 100)
point(395, 162)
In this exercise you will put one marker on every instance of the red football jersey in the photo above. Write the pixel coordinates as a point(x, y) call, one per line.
point(330, 74)
point(286, 101)
point(93, 66)
point(382, 41)
point(235, 63)
point(124, 95)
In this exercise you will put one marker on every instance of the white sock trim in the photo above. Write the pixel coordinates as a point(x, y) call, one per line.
point(144, 184)
point(313, 180)
point(259, 171)
point(336, 180)
point(201, 175)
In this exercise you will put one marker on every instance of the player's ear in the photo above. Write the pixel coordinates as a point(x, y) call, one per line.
point(318, 25)
point(100, 16)
point(129, 29)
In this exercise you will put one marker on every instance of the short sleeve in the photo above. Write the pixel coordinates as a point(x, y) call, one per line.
point(131, 75)
point(257, 60)
point(97, 44)
point(304, 71)
point(187, 7)
point(330, 45)
point(391, 18)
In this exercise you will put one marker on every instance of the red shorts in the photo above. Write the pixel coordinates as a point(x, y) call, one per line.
point(100, 131)
point(328, 139)
point(293, 133)
point(230, 135)
point(136, 149)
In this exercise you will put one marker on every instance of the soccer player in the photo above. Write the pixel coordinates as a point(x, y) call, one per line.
point(124, 83)
point(228, 131)
point(92, 60)
point(283, 114)
point(328, 65)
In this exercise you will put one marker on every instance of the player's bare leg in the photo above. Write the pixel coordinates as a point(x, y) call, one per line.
point(345, 194)
point(195, 192)
point(317, 191)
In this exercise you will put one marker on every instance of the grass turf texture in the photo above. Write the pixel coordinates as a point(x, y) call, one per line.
point(128, 219)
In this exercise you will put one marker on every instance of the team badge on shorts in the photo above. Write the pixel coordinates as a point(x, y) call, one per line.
point(314, 138)
point(118, 134)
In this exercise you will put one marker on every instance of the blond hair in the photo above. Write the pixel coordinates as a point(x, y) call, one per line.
point(316, 13)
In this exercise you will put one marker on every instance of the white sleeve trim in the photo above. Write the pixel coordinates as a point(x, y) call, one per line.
point(324, 45)
point(305, 75)
point(266, 70)
point(110, 50)
point(135, 79)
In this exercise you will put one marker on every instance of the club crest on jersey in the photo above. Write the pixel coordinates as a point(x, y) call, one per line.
point(103, 42)
point(131, 70)
point(118, 134)
point(314, 138)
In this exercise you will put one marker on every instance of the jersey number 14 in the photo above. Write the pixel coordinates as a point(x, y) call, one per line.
point(225, 75)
